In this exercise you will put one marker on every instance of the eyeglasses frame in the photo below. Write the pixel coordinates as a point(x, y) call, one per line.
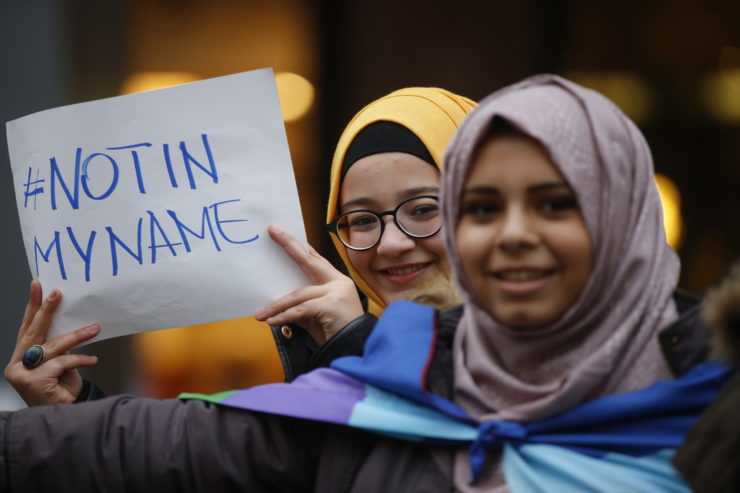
point(333, 227)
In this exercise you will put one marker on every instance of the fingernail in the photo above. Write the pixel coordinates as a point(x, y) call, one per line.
point(92, 328)
point(53, 295)
point(276, 228)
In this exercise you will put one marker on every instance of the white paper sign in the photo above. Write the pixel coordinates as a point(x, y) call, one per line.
point(150, 210)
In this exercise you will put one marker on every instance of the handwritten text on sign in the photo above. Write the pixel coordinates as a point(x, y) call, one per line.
point(103, 184)
point(150, 211)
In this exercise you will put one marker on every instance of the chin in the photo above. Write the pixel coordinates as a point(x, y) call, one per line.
point(392, 298)
point(440, 295)
point(524, 321)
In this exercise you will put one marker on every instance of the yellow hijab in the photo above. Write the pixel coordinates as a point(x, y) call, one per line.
point(432, 114)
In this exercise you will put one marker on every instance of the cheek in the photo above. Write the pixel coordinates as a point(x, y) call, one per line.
point(468, 248)
point(435, 245)
point(360, 262)
point(578, 252)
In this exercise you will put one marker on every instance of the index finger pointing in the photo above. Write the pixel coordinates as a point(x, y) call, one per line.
point(316, 267)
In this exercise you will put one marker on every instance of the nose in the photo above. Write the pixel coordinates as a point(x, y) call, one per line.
point(517, 230)
point(394, 242)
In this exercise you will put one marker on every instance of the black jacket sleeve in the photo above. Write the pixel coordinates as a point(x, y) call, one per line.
point(89, 392)
point(685, 343)
point(132, 444)
point(300, 353)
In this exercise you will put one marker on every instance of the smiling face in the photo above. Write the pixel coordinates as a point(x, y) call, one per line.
point(524, 245)
point(398, 267)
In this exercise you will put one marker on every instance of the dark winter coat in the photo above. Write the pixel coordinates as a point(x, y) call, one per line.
point(133, 444)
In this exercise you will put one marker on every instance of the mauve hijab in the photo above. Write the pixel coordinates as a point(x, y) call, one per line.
point(607, 341)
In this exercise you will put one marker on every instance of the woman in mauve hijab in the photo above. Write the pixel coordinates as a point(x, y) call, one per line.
point(555, 236)
point(573, 365)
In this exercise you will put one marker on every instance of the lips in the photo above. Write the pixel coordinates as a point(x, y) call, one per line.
point(520, 282)
point(403, 270)
point(404, 273)
point(522, 275)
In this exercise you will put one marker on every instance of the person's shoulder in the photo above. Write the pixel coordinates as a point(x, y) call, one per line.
point(685, 342)
point(686, 303)
point(440, 375)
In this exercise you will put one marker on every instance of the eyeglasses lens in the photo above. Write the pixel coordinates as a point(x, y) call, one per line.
point(418, 217)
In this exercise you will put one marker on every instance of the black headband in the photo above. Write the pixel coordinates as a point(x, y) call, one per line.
point(384, 137)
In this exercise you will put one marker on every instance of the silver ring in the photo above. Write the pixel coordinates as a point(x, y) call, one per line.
point(33, 356)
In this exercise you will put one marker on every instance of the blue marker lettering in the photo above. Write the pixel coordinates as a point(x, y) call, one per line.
point(114, 180)
point(45, 255)
point(115, 239)
point(87, 254)
point(32, 192)
point(168, 162)
point(74, 197)
point(206, 219)
point(153, 242)
point(220, 221)
point(137, 163)
point(188, 158)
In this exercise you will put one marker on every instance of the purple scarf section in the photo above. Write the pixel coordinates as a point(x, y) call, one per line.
point(322, 395)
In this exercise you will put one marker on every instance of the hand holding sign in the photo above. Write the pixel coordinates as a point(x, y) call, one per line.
point(150, 210)
point(322, 308)
point(56, 378)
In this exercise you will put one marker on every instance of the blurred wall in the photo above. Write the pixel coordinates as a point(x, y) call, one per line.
point(34, 77)
point(55, 53)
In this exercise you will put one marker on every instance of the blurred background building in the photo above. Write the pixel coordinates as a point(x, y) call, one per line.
point(673, 66)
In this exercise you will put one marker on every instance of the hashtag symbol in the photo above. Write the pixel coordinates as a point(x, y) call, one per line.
point(37, 189)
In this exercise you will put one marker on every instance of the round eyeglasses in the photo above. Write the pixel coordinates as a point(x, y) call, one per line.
point(417, 217)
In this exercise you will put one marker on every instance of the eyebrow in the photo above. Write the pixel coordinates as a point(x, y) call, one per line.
point(369, 202)
point(540, 187)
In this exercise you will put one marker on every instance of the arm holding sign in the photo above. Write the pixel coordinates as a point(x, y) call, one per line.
point(124, 443)
point(55, 379)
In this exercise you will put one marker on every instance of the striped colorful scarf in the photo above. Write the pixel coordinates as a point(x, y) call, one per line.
point(621, 442)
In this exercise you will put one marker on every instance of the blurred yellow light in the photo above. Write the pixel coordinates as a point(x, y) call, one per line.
point(296, 95)
point(626, 90)
point(670, 198)
point(722, 95)
point(147, 81)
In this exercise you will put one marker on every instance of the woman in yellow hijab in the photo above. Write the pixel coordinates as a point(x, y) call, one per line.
point(383, 214)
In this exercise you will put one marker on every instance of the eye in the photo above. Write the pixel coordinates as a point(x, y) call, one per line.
point(480, 208)
point(425, 210)
point(361, 220)
point(559, 204)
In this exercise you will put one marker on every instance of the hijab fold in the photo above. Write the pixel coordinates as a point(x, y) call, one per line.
point(607, 341)
point(432, 114)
